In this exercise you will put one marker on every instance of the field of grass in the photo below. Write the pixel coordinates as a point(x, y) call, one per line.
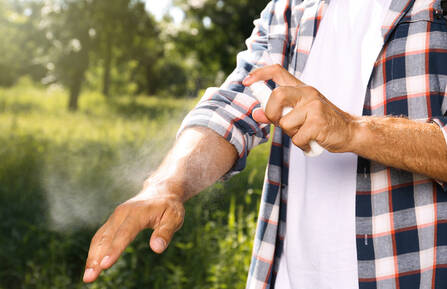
point(62, 174)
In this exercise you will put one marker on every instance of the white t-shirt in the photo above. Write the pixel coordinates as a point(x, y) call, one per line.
point(320, 241)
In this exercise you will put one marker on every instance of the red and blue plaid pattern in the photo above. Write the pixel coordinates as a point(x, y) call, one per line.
point(401, 217)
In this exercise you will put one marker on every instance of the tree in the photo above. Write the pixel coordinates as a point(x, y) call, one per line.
point(67, 26)
point(125, 33)
point(216, 32)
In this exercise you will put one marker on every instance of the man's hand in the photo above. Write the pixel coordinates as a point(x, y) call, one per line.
point(159, 210)
point(313, 117)
point(421, 146)
point(199, 158)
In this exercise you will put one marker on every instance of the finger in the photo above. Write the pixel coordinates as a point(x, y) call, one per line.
point(170, 222)
point(125, 234)
point(92, 269)
point(292, 121)
point(281, 97)
point(303, 137)
point(95, 254)
point(100, 241)
point(259, 116)
point(91, 274)
point(274, 72)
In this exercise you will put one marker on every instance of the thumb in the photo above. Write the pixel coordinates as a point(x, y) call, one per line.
point(259, 116)
point(161, 237)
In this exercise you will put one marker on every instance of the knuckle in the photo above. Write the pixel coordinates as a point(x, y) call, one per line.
point(92, 262)
point(178, 214)
point(95, 240)
point(314, 131)
point(277, 67)
point(316, 106)
point(285, 124)
point(275, 93)
point(103, 240)
point(172, 221)
point(180, 219)
point(271, 115)
point(177, 225)
point(99, 237)
point(313, 91)
point(279, 94)
point(300, 142)
point(297, 141)
point(310, 90)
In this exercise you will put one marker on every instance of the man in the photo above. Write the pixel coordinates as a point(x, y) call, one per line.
point(399, 202)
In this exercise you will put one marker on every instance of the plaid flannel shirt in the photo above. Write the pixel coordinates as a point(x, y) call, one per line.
point(401, 217)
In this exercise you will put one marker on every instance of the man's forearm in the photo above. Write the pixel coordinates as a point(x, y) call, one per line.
point(395, 142)
point(198, 159)
point(401, 143)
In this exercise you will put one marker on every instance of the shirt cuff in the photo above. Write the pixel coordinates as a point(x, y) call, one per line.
point(229, 120)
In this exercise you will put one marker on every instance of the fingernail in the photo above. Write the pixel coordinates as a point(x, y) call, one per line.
point(246, 79)
point(105, 262)
point(89, 274)
point(159, 244)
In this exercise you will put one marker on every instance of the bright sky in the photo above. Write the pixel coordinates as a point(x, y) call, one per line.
point(160, 7)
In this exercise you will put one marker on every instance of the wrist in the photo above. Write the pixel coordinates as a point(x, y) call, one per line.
point(359, 134)
point(165, 187)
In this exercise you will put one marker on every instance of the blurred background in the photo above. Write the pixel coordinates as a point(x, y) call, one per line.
point(92, 93)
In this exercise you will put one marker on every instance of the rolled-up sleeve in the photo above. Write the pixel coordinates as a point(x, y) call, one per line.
point(228, 110)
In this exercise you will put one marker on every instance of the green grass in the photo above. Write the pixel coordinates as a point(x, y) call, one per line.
point(62, 174)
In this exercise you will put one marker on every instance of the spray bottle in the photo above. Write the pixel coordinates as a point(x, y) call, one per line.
point(262, 92)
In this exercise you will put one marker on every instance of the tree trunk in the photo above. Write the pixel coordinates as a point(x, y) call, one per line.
point(107, 67)
point(74, 96)
point(75, 89)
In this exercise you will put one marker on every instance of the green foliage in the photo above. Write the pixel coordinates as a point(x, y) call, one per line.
point(68, 38)
point(216, 32)
point(172, 78)
point(62, 174)
point(125, 35)
point(17, 46)
point(117, 47)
